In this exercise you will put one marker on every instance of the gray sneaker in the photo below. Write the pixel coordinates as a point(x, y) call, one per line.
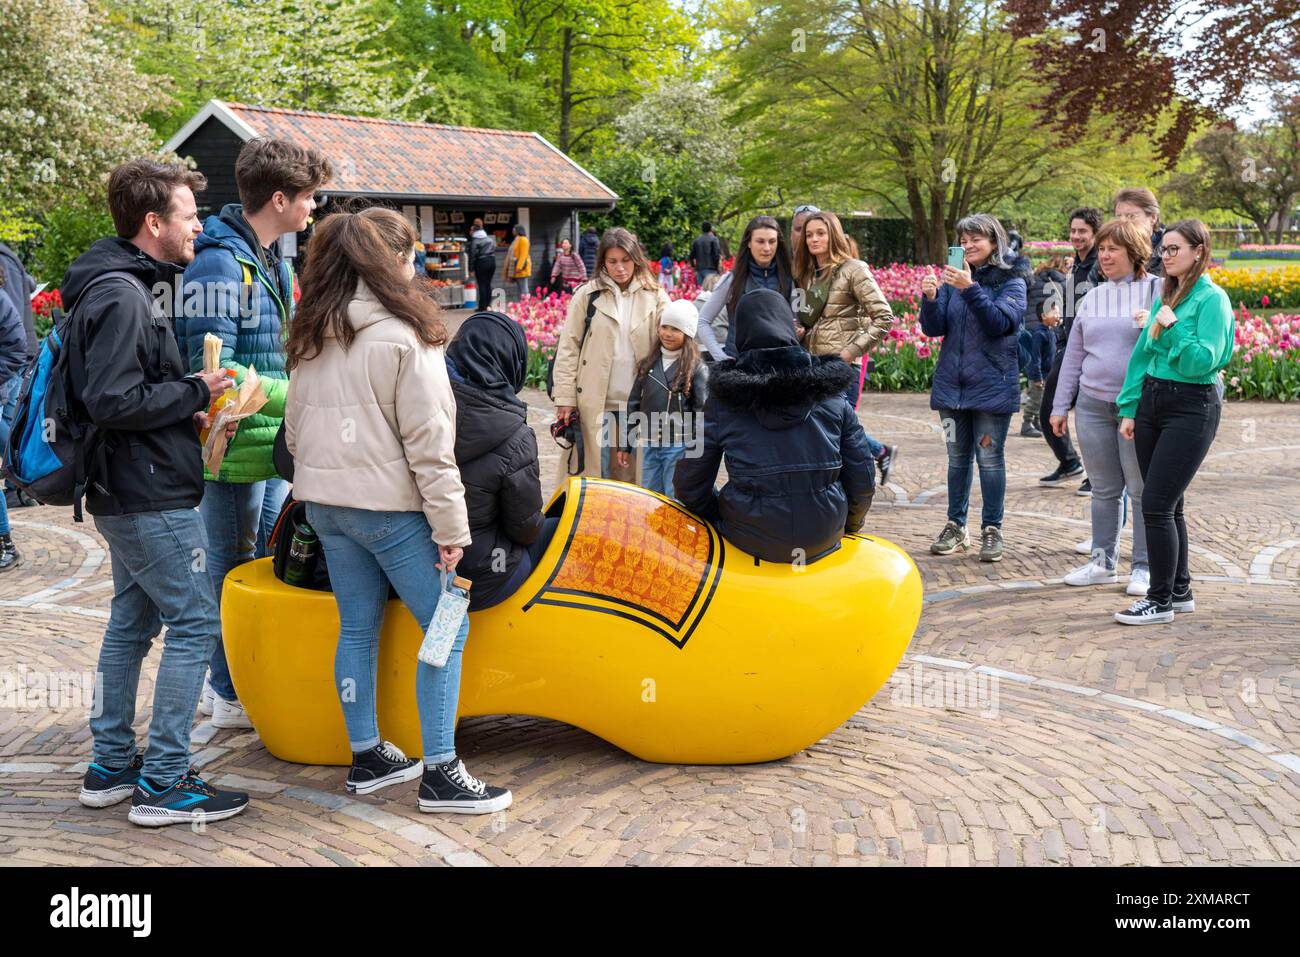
point(991, 544)
point(952, 537)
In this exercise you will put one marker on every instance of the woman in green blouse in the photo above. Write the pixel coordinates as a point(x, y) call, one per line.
point(1170, 408)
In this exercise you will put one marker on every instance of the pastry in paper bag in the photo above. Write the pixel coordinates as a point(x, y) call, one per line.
point(248, 399)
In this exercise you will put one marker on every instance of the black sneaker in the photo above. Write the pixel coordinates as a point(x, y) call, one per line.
point(8, 553)
point(382, 765)
point(1184, 602)
point(1085, 488)
point(449, 787)
point(1030, 431)
point(1145, 612)
point(186, 801)
point(1062, 473)
point(104, 787)
point(886, 461)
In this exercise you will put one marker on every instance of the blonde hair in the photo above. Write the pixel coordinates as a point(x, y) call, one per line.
point(805, 264)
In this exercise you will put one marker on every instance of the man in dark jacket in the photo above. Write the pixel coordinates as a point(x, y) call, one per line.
point(800, 474)
point(146, 408)
point(19, 287)
point(13, 361)
point(497, 454)
point(1084, 274)
point(706, 253)
point(588, 246)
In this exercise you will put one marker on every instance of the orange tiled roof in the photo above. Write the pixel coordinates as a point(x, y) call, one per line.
point(427, 160)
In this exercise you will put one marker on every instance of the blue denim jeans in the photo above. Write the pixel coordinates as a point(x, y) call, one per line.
point(158, 579)
point(365, 551)
point(983, 437)
point(239, 518)
point(658, 463)
point(853, 393)
point(8, 405)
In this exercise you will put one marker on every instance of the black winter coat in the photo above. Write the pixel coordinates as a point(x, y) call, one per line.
point(138, 391)
point(667, 411)
point(800, 474)
point(497, 454)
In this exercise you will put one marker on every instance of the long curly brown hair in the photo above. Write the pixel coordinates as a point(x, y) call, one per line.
point(370, 246)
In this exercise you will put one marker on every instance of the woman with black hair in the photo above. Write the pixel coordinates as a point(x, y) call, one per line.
point(762, 263)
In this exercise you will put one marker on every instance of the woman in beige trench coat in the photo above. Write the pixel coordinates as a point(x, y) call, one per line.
point(596, 366)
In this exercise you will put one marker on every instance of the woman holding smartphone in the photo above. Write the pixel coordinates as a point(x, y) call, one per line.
point(370, 421)
point(977, 306)
point(1170, 409)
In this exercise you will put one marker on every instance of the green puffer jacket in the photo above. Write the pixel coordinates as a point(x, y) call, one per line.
point(228, 294)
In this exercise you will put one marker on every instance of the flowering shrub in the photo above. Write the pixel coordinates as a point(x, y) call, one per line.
point(1045, 249)
point(1261, 288)
point(1266, 360)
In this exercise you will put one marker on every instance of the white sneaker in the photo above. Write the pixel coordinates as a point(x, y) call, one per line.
point(229, 714)
point(1138, 582)
point(206, 699)
point(1084, 547)
point(1093, 573)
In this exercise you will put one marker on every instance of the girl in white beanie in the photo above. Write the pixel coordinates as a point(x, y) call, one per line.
point(666, 404)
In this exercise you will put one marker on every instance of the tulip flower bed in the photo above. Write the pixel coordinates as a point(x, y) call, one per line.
point(1260, 251)
point(43, 306)
point(1266, 360)
point(1262, 288)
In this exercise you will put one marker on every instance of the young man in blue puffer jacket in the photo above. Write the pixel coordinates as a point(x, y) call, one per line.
point(978, 310)
point(239, 288)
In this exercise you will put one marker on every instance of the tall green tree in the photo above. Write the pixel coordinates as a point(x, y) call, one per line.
point(923, 108)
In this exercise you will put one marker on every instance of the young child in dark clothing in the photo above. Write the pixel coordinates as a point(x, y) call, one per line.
point(667, 398)
point(800, 473)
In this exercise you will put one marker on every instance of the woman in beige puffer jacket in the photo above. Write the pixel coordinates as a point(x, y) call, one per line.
point(371, 422)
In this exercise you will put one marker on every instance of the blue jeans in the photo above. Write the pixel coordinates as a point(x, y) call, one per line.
point(853, 393)
point(982, 436)
point(158, 579)
point(657, 465)
point(365, 551)
point(239, 518)
point(8, 404)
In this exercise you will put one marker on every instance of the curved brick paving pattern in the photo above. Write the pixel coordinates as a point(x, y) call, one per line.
point(1022, 726)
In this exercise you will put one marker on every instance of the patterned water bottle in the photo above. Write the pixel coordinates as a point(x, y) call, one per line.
point(447, 619)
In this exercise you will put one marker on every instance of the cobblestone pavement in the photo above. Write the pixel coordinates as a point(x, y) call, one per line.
point(1023, 726)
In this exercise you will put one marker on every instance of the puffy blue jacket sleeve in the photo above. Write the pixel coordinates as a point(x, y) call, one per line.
point(857, 470)
point(999, 314)
point(212, 297)
point(694, 477)
point(13, 341)
point(934, 313)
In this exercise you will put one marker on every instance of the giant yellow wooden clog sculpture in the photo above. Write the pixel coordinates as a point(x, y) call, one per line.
point(640, 625)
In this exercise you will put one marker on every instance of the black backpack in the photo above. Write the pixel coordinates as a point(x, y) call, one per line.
point(550, 365)
point(54, 449)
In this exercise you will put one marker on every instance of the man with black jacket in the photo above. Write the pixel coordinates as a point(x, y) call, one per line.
point(1084, 274)
point(706, 253)
point(143, 491)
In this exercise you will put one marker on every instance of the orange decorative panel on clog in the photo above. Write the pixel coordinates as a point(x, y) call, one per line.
point(639, 556)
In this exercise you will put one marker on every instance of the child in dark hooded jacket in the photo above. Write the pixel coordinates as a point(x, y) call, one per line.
point(496, 451)
point(800, 473)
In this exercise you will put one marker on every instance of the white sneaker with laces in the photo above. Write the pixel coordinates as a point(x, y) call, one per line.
point(1093, 573)
point(1084, 547)
point(229, 714)
point(1138, 582)
point(206, 699)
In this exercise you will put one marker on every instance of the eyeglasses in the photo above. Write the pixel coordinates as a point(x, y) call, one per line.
point(806, 209)
point(1167, 251)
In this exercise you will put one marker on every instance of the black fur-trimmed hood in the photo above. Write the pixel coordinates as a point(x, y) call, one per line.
point(780, 385)
point(990, 276)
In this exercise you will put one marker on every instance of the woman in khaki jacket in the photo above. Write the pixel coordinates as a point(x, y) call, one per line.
point(370, 420)
point(595, 367)
point(843, 312)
